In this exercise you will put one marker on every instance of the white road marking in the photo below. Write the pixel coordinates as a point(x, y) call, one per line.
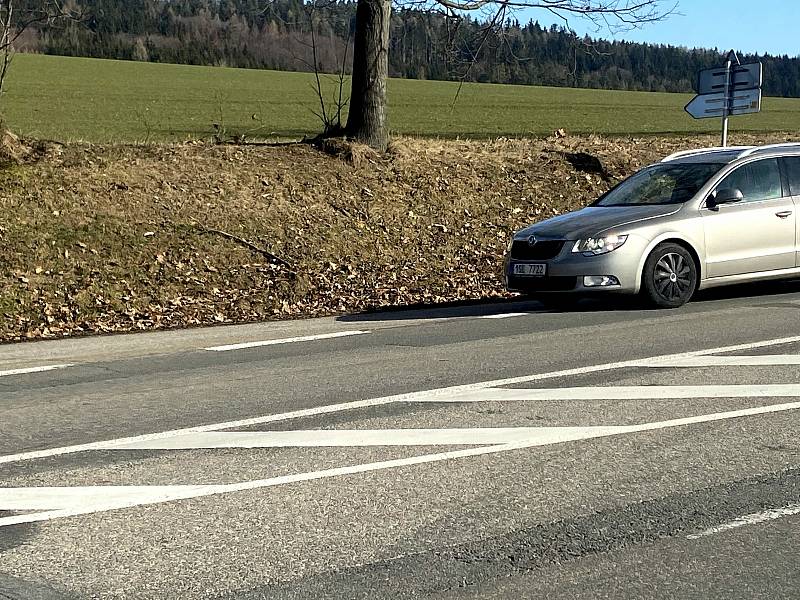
point(505, 315)
point(291, 340)
point(349, 438)
point(752, 519)
point(68, 502)
point(354, 405)
point(766, 360)
point(33, 370)
point(77, 498)
point(89, 500)
point(628, 392)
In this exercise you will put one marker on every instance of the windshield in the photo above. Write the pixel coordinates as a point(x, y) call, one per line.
point(661, 184)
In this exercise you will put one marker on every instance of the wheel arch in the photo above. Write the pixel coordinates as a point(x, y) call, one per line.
point(671, 238)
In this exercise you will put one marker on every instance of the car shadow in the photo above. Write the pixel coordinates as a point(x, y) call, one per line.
point(497, 308)
point(486, 309)
point(757, 290)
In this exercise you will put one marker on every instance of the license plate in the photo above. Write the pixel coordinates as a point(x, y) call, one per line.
point(530, 269)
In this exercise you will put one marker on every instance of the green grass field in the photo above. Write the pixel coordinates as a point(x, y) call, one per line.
point(100, 100)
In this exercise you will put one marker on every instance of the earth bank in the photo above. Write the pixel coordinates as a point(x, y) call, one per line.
point(133, 237)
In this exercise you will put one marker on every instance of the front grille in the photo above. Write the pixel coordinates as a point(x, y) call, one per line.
point(541, 250)
point(542, 284)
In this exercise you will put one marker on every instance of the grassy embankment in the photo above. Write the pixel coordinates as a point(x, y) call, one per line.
point(116, 236)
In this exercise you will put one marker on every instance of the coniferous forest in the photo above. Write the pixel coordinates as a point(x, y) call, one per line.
point(289, 35)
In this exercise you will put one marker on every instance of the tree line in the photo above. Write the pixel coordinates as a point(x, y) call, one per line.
point(424, 44)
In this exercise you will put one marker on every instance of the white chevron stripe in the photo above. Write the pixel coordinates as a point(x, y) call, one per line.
point(66, 502)
point(767, 360)
point(373, 437)
point(631, 392)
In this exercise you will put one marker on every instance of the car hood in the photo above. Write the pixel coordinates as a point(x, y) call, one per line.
point(596, 219)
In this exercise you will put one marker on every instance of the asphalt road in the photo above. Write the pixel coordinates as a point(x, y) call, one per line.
point(491, 451)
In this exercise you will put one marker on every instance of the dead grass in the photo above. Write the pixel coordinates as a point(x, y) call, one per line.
point(12, 150)
point(117, 238)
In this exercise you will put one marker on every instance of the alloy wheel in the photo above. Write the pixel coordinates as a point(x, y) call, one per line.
point(673, 277)
point(670, 276)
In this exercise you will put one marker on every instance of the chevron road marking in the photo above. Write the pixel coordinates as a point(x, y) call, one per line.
point(428, 395)
point(771, 360)
point(628, 392)
point(350, 438)
point(57, 502)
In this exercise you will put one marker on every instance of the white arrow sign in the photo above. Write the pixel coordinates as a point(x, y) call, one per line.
point(713, 105)
point(734, 89)
point(742, 77)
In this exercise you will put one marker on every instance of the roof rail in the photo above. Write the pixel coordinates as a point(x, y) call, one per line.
point(768, 148)
point(699, 151)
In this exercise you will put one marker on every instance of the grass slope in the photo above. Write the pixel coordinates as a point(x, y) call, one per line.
point(118, 237)
point(114, 101)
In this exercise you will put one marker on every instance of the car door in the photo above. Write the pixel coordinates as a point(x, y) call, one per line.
point(791, 167)
point(755, 234)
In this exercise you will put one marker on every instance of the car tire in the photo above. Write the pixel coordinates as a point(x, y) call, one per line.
point(670, 276)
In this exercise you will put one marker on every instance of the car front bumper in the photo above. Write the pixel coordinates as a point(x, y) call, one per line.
point(567, 270)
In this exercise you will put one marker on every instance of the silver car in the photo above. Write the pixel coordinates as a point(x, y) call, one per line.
point(696, 220)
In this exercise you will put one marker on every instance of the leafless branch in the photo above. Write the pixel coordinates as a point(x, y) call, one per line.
point(498, 18)
point(341, 102)
point(6, 47)
point(331, 116)
point(628, 12)
point(612, 15)
point(313, 6)
point(16, 19)
point(247, 244)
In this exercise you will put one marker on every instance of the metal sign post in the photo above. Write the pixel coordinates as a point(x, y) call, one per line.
point(734, 89)
point(726, 111)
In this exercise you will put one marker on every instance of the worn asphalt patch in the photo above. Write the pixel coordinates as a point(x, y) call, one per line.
point(13, 536)
point(14, 588)
point(437, 571)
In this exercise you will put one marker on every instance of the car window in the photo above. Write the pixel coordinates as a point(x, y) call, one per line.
point(792, 164)
point(757, 181)
point(664, 183)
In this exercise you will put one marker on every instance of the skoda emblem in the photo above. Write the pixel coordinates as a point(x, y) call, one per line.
point(532, 240)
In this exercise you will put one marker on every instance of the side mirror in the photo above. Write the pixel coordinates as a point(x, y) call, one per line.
point(725, 196)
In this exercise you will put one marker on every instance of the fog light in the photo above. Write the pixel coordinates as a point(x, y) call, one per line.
point(600, 281)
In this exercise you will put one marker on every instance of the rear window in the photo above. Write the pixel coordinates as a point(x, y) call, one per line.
point(792, 164)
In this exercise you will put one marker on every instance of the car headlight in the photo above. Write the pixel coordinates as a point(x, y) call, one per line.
point(510, 244)
point(599, 245)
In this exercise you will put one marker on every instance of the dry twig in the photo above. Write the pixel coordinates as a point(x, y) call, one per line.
point(239, 240)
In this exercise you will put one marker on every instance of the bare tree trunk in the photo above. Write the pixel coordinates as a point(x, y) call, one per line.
point(366, 121)
point(6, 40)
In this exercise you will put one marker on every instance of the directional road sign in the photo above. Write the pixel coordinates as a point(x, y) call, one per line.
point(713, 105)
point(743, 77)
point(734, 89)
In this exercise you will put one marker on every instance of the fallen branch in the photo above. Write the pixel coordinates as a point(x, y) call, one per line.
point(266, 253)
